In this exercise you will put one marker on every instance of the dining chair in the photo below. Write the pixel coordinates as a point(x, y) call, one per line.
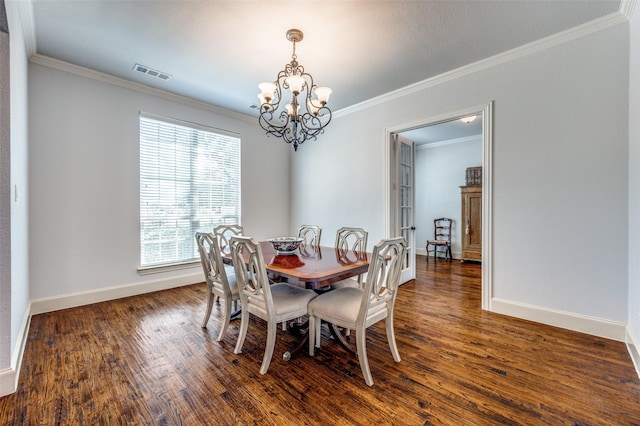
point(441, 237)
point(273, 303)
point(359, 308)
point(354, 240)
point(221, 284)
point(310, 234)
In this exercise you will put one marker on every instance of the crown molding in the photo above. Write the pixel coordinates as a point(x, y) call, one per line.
point(627, 7)
point(580, 31)
point(25, 10)
point(430, 145)
point(117, 81)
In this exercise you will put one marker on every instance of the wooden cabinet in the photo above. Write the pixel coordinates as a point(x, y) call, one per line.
point(471, 235)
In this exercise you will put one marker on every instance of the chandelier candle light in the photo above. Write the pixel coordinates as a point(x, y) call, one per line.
point(300, 119)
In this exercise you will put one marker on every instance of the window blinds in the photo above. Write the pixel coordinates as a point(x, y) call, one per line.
point(189, 182)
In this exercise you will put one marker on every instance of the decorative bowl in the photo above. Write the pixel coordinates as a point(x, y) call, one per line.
point(285, 244)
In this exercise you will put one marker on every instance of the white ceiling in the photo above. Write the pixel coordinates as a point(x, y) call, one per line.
point(218, 51)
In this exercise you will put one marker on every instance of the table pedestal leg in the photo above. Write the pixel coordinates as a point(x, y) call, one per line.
point(339, 336)
point(298, 329)
point(235, 314)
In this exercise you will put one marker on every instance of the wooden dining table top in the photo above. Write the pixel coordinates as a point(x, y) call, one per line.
point(314, 266)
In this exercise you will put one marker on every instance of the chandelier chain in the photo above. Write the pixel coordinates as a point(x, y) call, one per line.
point(294, 57)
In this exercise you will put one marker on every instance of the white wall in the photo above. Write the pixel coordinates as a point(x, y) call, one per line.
point(5, 197)
point(560, 146)
point(14, 320)
point(84, 205)
point(633, 327)
point(440, 172)
point(339, 178)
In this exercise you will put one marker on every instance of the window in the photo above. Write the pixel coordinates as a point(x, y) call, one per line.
point(189, 182)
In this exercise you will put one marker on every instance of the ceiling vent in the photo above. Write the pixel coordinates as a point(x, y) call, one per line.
point(151, 72)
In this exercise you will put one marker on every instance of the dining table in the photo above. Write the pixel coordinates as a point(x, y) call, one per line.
point(316, 268)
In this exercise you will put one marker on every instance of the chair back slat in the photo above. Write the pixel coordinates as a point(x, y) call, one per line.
point(211, 261)
point(383, 277)
point(442, 229)
point(251, 275)
point(205, 241)
point(310, 234)
point(354, 239)
point(224, 233)
point(351, 239)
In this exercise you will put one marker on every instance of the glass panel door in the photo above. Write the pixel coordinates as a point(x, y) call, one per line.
point(405, 179)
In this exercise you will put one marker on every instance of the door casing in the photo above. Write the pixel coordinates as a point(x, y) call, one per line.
point(391, 207)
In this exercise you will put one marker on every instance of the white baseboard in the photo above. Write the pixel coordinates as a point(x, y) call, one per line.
point(9, 376)
point(71, 300)
point(7, 381)
point(632, 347)
point(595, 326)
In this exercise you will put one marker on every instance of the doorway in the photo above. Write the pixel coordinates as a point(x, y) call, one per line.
point(396, 201)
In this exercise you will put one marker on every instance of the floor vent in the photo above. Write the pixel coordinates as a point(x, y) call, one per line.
point(151, 72)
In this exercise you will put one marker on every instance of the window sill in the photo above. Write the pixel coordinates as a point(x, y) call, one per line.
point(158, 269)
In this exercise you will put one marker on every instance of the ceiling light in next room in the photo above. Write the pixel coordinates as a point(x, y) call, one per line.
point(469, 119)
point(151, 72)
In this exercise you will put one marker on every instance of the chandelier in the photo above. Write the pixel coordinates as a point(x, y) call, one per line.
point(303, 117)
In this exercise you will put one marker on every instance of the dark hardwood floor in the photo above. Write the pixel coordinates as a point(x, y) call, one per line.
point(145, 360)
